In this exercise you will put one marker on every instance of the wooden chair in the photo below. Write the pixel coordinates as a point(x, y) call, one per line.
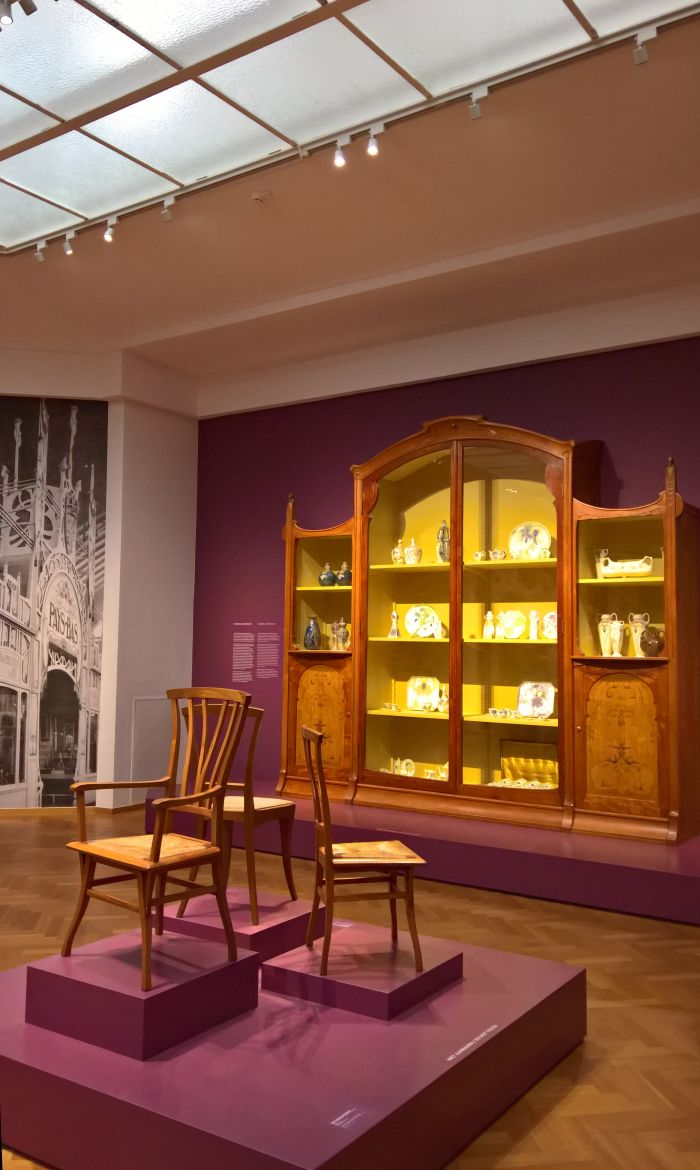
point(354, 863)
point(247, 809)
point(214, 719)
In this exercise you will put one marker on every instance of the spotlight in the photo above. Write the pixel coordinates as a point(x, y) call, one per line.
point(39, 253)
point(339, 157)
point(372, 147)
point(640, 53)
point(475, 99)
point(167, 208)
point(27, 6)
point(109, 230)
point(68, 243)
point(5, 12)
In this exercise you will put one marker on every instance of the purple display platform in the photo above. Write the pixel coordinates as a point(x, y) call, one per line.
point(631, 877)
point(95, 995)
point(293, 1085)
point(282, 924)
point(366, 974)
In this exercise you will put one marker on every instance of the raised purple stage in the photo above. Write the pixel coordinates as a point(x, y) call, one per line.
point(367, 972)
point(634, 877)
point(282, 924)
point(295, 1085)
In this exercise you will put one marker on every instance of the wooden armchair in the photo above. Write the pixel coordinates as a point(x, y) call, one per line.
point(243, 807)
point(357, 863)
point(214, 719)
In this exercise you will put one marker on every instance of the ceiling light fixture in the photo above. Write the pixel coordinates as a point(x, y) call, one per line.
point(5, 12)
point(109, 230)
point(6, 18)
point(640, 53)
point(476, 97)
point(167, 208)
point(339, 157)
point(68, 243)
point(372, 147)
point(39, 253)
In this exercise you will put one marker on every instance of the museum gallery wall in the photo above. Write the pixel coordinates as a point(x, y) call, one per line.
point(642, 402)
point(53, 457)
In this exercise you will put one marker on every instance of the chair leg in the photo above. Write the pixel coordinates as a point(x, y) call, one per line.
point(145, 889)
point(392, 904)
point(192, 877)
point(249, 843)
point(219, 873)
point(411, 916)
point(329, 900)
point(318, 879)
point(160, 908)
point(87, 872)
point(286, 827)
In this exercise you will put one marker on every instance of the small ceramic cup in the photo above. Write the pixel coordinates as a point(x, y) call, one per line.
point(481, 555)
point(497, 554)
point(429, 773)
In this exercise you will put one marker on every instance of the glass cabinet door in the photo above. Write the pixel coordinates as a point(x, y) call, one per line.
point(408, 624)
point(510, 625)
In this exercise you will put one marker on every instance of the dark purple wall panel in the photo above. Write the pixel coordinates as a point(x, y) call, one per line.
point(644, 403)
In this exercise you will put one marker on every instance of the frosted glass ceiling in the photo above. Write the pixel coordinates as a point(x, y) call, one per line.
point(109, 105)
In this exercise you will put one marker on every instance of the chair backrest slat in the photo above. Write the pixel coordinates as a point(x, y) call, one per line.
point(214, 718)
point(312, 741)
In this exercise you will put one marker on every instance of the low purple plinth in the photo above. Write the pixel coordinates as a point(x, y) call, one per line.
point(282, 925)
point(367, 974)
point(296, 1085)
point(95, 994)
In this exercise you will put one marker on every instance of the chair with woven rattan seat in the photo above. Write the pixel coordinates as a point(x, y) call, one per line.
point(357, 863)
point(214, 720)
point(243, 807)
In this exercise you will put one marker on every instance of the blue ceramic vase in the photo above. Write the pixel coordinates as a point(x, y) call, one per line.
point(312, 635)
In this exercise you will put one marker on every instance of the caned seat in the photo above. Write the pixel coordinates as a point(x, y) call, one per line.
point(357, 863)
point(214, 719)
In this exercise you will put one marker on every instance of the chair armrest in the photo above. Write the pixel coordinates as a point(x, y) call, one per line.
point(165, 802)
point(93, 785)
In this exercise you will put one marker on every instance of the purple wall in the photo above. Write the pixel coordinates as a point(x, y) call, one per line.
point(643, 402)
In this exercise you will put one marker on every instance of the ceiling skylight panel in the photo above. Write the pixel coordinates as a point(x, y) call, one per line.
point(448, 44)
point(187, 132)
point(610, 16)
point(84, 175)
point(68, 60)
point(315, 83)
point(18, 121)
point(192, 30)
point(23, 218)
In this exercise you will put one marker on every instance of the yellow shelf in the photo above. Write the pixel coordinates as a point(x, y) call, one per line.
point(620, 580)
point(510, 641)
point(511, 564)
point(410, 568)
point(410, 714)
point(414, 641)
point(324, 588)
point(521, 721)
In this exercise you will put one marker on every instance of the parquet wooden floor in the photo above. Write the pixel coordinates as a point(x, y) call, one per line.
point(627, 1099)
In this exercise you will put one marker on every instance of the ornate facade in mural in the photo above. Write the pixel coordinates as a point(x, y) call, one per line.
point(51, 574)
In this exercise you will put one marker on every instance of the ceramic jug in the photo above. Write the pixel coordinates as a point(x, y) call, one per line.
point(327, 576)
point(344, 574)
point(638, 624)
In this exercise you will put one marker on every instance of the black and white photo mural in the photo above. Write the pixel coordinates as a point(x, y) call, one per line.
point(53, 459)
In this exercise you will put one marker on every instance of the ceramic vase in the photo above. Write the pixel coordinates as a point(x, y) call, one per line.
point(442, 544)
point(652, 641)
point(638, 624)
point(617, 637)
point(344, 574)
point(604, 622)
point(327, 576)
point(394, 632)
point(342, 636)
point(397, 553)
point(489, 626)
point(312, 635)
point(413, 553)
point(534, 625)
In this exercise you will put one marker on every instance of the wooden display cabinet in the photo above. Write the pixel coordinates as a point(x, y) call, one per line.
point(475, 755)
point(636, 716)
point(317, 684)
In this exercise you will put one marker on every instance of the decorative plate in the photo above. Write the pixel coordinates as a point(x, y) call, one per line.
point(550, 625)
point(422, 694)
point(423, 622)
point(530, 539)
point(536, 700)
point(512, 623)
